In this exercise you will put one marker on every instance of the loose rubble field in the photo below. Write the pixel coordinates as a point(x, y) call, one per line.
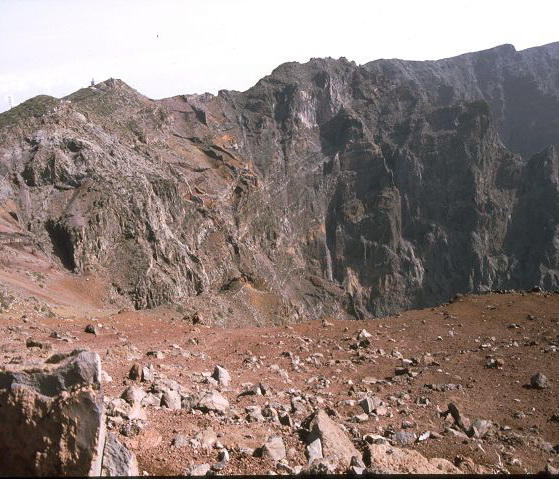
point(457, 382)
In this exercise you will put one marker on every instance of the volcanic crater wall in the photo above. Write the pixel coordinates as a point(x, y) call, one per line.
point(329, 185)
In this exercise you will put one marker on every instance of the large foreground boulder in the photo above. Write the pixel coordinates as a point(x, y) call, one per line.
point(52, 418)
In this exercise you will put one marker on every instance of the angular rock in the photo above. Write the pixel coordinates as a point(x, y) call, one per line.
point(274, 448)
point(369, 404)
point(198, 470)
point(207, 438)
point(539, 381)
point(222, 376)
point(254, 414)
point(213, 401)
point(148, 373)
point(480, 427)
point(52, 418)
point(156, 354)
point(375, 439)
point(180, 440)
point(133, 394)
point(151, 399)
point(357, 466)
point(91, 329)
point(223, 460)
point(320, 467)
point(335, 443)
point(404, 438)
point(364, 334)
point(117, 459)
point(314, 450)
point(33, 343)
point(385, 459)
point(171, 399)
point(285, 420)
point(461, 421)
point(135, 372)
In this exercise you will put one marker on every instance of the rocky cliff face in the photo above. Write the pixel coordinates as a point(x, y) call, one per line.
point(326, 187)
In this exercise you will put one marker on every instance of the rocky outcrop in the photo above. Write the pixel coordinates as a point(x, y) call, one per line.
point(326, 187)
point(53, 421)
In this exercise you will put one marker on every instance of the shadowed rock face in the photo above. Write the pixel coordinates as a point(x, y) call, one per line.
point(326, 187)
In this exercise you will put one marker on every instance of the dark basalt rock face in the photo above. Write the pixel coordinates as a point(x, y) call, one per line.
point(328, 186)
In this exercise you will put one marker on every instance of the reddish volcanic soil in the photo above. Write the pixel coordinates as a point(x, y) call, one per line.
point(314, 364)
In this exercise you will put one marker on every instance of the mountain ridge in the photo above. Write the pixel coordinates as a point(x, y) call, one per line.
point(327, 188)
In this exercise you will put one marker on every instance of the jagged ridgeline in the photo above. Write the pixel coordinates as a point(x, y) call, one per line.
point(326, 187)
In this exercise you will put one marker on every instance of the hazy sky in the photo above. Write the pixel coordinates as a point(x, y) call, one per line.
point(168, 47)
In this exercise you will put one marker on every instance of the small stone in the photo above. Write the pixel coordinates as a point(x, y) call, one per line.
point(133, 394)
point(180, 440)
point(131, 428)
point(91, 329)
point(285, 420)
point(148, 373)
point(117, 459)
point(151, 399)
point(322, 466)
point(357, 466)
point(223, 455)
point(137, 412)
point(135, 372)
point(364, 334)
point(198, 470)
point(212, 401)
point(369, 404)
point(404, 438)
point(314, 450)
point(382, 411)
point(156, 354)
point(33, 343)
point(171, 399)
point(539, 381)
point(254, 414)
point(493, 363)
point(480, 427)
point(461, 421)
point(222, 376)
point(375, 439)
point(361, 418)
point(274, 448)
point(206, 438)
point(223, 459)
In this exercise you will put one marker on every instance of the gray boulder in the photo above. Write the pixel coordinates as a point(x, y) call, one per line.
point(117, 459)
point(212, 401)
point(335, 442)
point(274, 448)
